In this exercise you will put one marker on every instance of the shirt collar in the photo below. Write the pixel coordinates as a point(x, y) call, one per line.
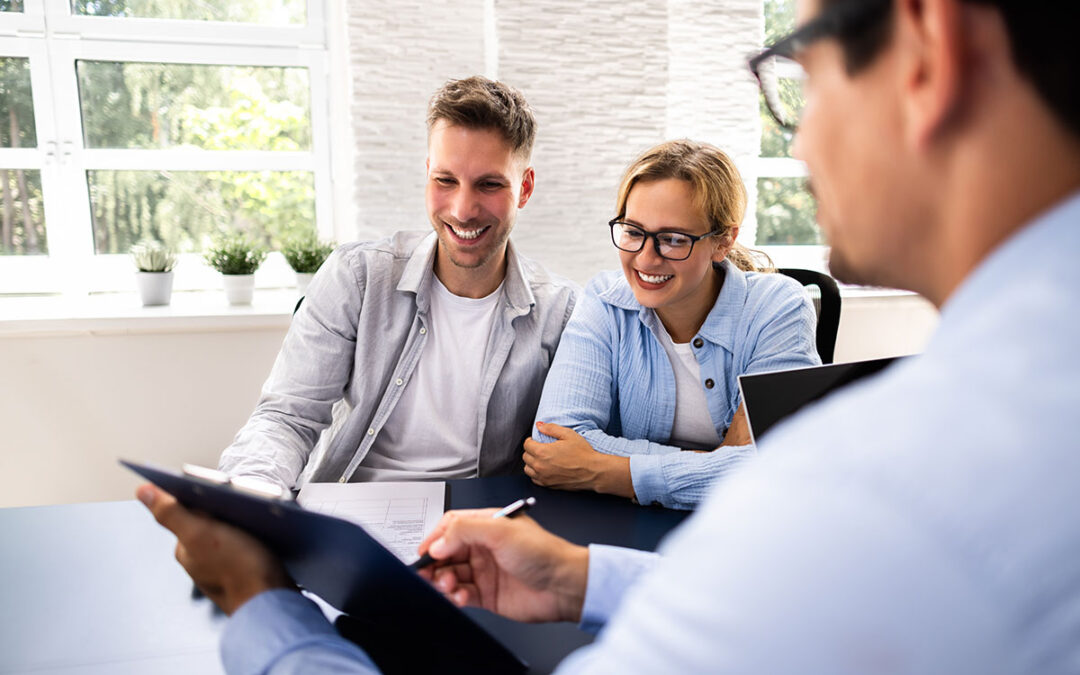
point(720, 324)
point(421, 268)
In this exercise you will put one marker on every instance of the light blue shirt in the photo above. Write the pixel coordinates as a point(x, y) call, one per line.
point(924, 521)
point(614, 384)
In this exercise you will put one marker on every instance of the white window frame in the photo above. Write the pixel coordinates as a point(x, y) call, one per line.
point(54, 40)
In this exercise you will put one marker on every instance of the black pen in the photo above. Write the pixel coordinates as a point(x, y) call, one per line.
point(509, 511)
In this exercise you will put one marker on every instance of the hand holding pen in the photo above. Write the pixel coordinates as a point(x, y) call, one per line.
point(509, 511)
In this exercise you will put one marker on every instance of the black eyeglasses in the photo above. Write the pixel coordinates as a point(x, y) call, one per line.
point(671, 245)
point(781, 78)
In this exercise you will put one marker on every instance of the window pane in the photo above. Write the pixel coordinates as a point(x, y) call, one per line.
point(779, 21)
point(265, 12)
point(11, 5)
point(785, 212)
point(16, 104)
point(156, 105)
point(185, 208)
point(22, 220)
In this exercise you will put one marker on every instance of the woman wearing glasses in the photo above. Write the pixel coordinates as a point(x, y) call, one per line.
point(646, 369)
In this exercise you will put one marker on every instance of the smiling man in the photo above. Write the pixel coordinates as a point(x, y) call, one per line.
point(427, 351)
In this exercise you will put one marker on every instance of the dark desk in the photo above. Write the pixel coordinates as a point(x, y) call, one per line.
point(94, 589)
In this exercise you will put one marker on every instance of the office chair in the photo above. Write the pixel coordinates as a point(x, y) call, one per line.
point(828, 307)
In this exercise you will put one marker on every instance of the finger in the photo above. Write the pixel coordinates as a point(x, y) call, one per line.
point(531, 446)
point(556, 431)
point(444, 522)
point(167, 511)
point(465, 533)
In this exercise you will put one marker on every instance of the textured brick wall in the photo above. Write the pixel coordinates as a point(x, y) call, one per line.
point(607, 79)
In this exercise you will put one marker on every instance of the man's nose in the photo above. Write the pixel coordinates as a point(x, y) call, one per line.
point(465, 205)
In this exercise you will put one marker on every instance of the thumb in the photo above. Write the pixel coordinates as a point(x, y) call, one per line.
point(556, 431)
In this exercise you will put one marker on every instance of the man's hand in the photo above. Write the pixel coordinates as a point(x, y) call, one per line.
point(570, 463)
point(510, 566)
point(227, 564)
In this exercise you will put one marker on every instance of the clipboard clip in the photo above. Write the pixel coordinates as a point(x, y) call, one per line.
point(252, 486)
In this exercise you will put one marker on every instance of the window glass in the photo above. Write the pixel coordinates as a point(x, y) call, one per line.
point(264, 12)
point(22, 219)
point(785, 212)
point(185, 208)
point(11, 5)
point(16, 104)
point(779, 21)
point(156, 105)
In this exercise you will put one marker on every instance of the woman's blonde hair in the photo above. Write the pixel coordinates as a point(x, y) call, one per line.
point(715, 183)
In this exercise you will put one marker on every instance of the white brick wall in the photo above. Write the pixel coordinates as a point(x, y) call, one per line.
point(606, 78)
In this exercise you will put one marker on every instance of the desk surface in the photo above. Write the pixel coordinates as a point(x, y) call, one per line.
point(93, 588)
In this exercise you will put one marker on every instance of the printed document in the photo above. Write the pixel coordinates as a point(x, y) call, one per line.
point(398, 514)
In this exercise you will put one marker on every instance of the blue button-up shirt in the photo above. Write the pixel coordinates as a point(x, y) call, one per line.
point(614, 384)
point(923, 521)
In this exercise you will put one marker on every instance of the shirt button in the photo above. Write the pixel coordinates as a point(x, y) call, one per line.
point(709, 384)
point(370, 432)
point(399, 382)
point(423, 331)
point(698, 342)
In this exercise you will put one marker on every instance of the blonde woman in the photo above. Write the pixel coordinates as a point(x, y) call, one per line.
point(647, 366)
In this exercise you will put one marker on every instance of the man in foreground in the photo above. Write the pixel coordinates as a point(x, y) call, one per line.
point(920, 522)
point(429, 345)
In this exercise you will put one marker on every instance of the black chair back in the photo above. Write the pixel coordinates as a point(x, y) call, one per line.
point(828, 308)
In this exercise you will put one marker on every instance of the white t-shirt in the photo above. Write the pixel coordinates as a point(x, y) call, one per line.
point(693, 427)
point(433, 431)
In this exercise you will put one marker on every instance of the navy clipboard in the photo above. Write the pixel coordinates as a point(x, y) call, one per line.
point(403, 623)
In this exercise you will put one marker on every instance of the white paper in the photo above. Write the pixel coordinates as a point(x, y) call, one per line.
point(398, 514)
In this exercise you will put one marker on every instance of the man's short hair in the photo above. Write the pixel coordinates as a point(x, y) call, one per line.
point(479, 103)
point(1041, 35)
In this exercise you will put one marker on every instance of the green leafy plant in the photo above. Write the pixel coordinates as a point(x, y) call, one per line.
point(153, 256)
point(235, 254)
point(305, 253)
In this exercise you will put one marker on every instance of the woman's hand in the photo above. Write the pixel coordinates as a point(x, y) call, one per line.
point(570, 463)
point(510, 566)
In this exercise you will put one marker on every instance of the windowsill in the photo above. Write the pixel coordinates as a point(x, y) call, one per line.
point(114, 313)
point(194, 311)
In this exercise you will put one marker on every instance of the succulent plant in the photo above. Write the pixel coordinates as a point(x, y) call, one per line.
point(153, 256)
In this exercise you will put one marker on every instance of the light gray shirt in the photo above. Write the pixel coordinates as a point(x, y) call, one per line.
point(357, 338)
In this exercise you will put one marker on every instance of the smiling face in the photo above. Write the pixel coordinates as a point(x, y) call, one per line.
point(681, 291)
point(475, 186)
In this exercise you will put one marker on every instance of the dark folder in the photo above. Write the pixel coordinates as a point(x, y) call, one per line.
point(403, 623)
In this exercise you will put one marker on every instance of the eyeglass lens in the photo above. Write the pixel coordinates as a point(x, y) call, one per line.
point(631, 239)
point(782, 84)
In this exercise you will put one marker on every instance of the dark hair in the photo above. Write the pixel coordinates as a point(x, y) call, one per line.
point(479, 103)
point(1040, 34)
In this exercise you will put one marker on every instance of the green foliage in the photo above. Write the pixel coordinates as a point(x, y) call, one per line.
point(305, 253)
point(222, 108)
point(272, 12)
point(235, 254)
point(153, 256)
point(785, 213)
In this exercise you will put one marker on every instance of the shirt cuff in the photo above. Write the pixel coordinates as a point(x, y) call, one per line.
point(647, 476)
point(612, 570)
point(273, 624)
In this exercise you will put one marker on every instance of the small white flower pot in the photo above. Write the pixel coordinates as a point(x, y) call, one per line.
point(239, 288)
point(155, 288)
point(302, 281)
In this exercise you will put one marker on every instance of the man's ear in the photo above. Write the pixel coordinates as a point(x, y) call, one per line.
point(724, 244)
point(931, 37)
point(528, 182)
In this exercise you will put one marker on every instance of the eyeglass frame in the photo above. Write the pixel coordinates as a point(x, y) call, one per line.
point(836, 19)
point(694, 238)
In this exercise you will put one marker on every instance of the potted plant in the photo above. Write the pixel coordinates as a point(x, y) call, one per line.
point(237, 258)
point(154, 263)
point(305, 254)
